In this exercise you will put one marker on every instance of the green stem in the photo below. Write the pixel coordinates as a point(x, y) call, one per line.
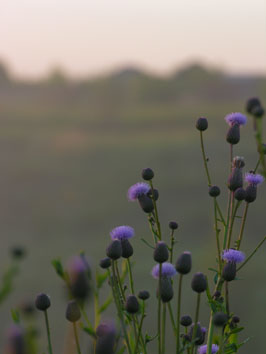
point(227, 221)
point(116, 296)
point(231, 221)
point(252, 254)
point(139, 331)
point(178, 313)
point(159, 309)
point(227, 298)
point(171, 317)
point(257, 166)
point(242, 226)
point(210, 335)
point(217, 232)
point(155, 211)
point(119, 281)
point(163, 328)
point(154, 233)
point(130, 276)
point(220, 212)
point(76, 337)
point(172, 246)
point(195, 323)
point(48, 332)
point(205, 159)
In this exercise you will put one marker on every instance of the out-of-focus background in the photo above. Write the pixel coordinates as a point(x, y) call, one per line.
point(90, 93)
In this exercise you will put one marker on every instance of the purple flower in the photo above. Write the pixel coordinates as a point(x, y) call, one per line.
point(168, 270)
point(203, 349)
point(77, 265)
point(233, 256)
point(253, 178)
point(236, 118)
point(137, 190)
point(122, 233)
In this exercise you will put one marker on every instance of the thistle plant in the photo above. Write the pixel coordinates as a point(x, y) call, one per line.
point(114, 283)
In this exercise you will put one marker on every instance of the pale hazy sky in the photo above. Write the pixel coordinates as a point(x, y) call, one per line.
point(91, 36)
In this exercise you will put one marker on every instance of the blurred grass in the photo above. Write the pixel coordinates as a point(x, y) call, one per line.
point(70, 150)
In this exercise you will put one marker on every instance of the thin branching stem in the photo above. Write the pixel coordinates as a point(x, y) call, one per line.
point(244, 218)
point(252, 254)
point(178, 313)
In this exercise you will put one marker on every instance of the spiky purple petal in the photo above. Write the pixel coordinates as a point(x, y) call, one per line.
point(233, 256)
point(122, 233)
point(255, 179)
point(236, 118)
point(203, 349)
point(168, 270)
point(137, 190)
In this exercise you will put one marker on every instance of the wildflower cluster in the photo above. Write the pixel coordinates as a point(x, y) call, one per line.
point(170, 270)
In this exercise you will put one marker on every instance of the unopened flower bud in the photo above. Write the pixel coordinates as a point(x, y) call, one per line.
point(200, 333)
point(233, 134)
point(132, 304)
point(146, 203)
point(240, 194)
point(147, 174)
point(220, 319)
point(184, 263)
point(258, 112)
point(173, 225)
point(105, 263)
point(114, 250)
point(161, 252)
point(214, 191)
point(143, 295)
point(235, 319)
point(252, 103)
point(127, 249)
point(229, 271)
point(154, 194)
point(42, 302)
point(167, 292)
point(202, 124)
point(251, 193)
point(199, 282)
point(73, 312)
point(186, 320)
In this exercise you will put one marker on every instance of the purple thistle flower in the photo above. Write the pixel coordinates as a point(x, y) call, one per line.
point(168, 270)
point(122, 233)
point(137, 190)
point(234, 256)
point(236, 118)
point(77, 265)
point(203, 349)
point(254, 179)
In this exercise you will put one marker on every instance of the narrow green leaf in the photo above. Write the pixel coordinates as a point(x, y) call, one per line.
point(106, 304)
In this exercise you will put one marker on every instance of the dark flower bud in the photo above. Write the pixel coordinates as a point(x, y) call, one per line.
point(18, 252)
point(240, 194)
point(251, 193)
point(229, 271)
point(235, 179)
point(200, 334)
point(238, 162)
point(16, 340)
point(199, 282)
point(184, 263)
point(155, 194)
point(220, 319)
point(233, 134)
point(217, 294)
point(263, 147)
point(114, 250)
point(144, 295)
point(161, 253)
point(147, 174)
point(73, 312)
point(132, 304)
point(186, 320)
point(127, 249)
point(42, 302)
point(167, 292)
point(220, 299)
point(252, 104)
point(202, 124)
point(173, 225)
point(258, 112)
point(146, 203)
point(214, 191)
point(105, 263)
point(106, 338)
point(235, 319)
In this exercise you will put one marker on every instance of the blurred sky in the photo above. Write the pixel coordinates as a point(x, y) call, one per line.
point(91, 36)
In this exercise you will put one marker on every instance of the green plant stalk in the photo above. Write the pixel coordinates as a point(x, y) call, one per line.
point(130, 276)
point(159, 309)
point(163, 328)
point(210, 335)
point(227, 222)
point(258, 137)
point(178, 313)
point(217, 232)
point(195, 323)
point(231, 220)
point(140, 329)
point(172, 246)
point(117, 275)
point(48, 332)
point(154, 233)
point(252, 254)
point(171, 317)
point(257, 166)
point(242, 226)
point(76, 337)
point(156, 212)
point(116, 296)
point(227, 298)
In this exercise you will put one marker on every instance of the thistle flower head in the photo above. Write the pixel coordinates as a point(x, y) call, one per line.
point(137, 190)
point(236, 118)
point(233, 256)
point(76, 266)
point(168, 270)
point(238, 162)
point(122, 233)
point(203, 349)
point(254, 179)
